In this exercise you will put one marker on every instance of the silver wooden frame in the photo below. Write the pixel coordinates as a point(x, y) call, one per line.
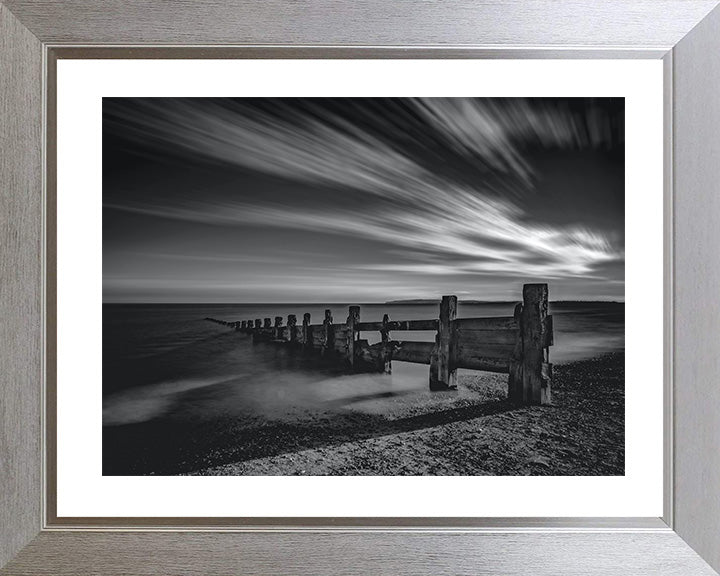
point(684, 33)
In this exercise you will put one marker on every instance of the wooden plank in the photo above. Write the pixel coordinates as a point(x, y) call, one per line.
point(431, 324)
point(501, 366)
point(369, 326)
point(317, 335)
point(464, 352)
point(418, 352)
point(490, 323)
point(367, 354)
point(398, 325)
point(370, 358)
point(482, 337)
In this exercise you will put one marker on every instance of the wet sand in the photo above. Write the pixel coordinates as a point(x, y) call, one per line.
point(472, 431)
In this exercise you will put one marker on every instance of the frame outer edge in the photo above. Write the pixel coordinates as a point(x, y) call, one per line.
point(20, 284)
point(21, 60)
point(697, 265)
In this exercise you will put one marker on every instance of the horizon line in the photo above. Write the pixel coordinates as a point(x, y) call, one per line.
point(386, 303)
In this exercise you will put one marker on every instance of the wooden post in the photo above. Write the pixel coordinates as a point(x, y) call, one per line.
point(352, 319)
point(442, 374)
point(267, 323)
point(329, 333)
point(256, 331)
point(292, 322)
point(306, 331)
point(386, 351)
point(536, 372)
point(277, 332)
point(243, 325)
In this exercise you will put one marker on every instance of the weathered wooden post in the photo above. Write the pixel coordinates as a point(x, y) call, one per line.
point(256, 331)
point(386, 358)
point(292, 323)
point(267, 323)
point(329, 333)
point(243, 325)
point(237, 326)
point(352, 319)
point(277, 332)
point(306, 331)
point(442, 374)
point(536, 336)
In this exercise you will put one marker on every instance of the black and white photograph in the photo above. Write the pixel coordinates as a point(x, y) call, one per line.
point(363, 286)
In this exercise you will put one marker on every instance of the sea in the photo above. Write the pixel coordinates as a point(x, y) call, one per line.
point(167, 360)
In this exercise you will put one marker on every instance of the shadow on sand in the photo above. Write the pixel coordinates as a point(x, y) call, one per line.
point(165, 447)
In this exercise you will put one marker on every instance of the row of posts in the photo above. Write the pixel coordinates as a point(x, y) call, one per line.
point(530, 373)
point(442, 375)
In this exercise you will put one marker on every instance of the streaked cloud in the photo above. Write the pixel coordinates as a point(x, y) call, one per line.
point(456, 225)
point(432, 221)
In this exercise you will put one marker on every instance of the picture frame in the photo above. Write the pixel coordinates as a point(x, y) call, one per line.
point(681, 33)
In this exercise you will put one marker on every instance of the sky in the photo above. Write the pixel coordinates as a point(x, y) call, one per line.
point(361, 199)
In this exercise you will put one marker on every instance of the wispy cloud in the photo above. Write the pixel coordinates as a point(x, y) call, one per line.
point(445, 225)
point(466, 228)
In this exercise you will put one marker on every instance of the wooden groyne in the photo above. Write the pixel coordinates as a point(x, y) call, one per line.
point(516, 345)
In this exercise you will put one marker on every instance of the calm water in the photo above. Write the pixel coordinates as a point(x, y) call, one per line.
point(166, 361)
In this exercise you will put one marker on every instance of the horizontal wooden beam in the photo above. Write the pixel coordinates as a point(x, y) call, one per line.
point(467, 351)
point(491, 323)
point(398, 325)
point(498, 365)
point(476, 338)
point(417, 352)
point(317, 337)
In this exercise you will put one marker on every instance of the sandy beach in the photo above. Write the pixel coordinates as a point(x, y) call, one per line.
point(471, 431)
point(582, 434)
